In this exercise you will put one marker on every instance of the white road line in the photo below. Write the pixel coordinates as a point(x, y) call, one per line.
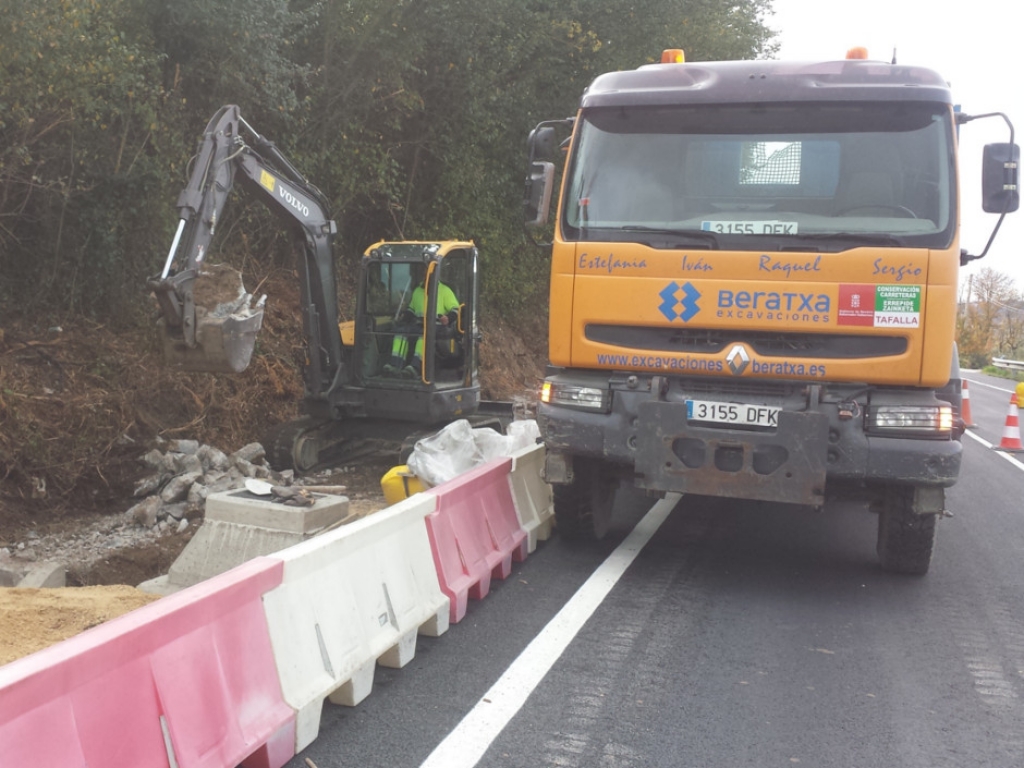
point(987, 444)
point(990, 386)
point(470, 739)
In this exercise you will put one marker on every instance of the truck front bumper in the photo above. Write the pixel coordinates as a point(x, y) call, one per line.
point(812, 446)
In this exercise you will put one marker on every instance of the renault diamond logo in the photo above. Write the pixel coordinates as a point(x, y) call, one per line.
point(738, 359)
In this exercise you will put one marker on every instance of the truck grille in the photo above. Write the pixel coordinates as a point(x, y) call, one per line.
point(838, 346)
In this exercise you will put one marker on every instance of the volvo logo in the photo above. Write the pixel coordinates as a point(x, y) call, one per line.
point(675, 306)
point(737, 359)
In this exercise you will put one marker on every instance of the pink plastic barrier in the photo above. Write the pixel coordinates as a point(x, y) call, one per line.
point(188, 681)
point(475, 533)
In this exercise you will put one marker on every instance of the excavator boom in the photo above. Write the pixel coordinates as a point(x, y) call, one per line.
point(208, 320)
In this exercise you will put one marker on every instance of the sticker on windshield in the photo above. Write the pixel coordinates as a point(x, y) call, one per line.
point(750, 227)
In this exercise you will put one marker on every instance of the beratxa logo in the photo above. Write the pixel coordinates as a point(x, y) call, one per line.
point(680, 301)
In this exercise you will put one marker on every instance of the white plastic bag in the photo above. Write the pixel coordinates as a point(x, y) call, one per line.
point(442, 456)
point(458, 448)
point(522, 434)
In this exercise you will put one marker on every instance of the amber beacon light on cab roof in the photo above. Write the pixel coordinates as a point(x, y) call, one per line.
point(753, 288)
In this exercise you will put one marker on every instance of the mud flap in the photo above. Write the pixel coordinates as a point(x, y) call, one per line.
point(226, 322)
point(787, 464)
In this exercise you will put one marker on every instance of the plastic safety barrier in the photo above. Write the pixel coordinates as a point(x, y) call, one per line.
point(186, 681)
point(350, 599)
point(533, 499)
point(234, 670)
point(475, 533)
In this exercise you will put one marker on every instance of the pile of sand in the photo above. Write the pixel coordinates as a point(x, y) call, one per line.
point(33, 619)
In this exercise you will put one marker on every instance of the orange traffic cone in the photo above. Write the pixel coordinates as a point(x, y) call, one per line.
point(1011, 432)
point(965, 407)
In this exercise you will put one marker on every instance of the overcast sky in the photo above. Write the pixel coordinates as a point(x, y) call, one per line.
point(973, 44)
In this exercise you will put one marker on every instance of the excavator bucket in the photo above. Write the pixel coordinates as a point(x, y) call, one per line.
point(225, 322)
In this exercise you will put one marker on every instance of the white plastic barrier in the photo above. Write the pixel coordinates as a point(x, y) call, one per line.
point(531, 494)
point(349, 599)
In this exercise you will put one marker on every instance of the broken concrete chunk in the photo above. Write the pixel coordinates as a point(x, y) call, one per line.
point(184, 446)
point(247, 469)
point(177, 487)
point(264, 472)
point(189, 462)
point(153, 458)
point(44, 576)
point(170, 463)
point(213, 458)
point(175, 512)
point(145, 513)
point(196, 500)
point(252, 453)
point(149, 484)
point(197, 493)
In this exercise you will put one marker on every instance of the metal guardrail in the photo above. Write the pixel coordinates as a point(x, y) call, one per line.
point(1013, 365)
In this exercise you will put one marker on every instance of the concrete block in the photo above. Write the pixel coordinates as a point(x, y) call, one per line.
point(240, 526)
point(218, 547)
point(246, 508)
point(45, 576)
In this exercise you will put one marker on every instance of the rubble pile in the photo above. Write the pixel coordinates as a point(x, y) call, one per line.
point(184, 472)
point(177, 477)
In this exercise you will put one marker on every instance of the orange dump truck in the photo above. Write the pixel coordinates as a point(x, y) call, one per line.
point(754, 287)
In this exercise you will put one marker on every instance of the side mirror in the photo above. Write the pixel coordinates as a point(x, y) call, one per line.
point(542, 143)
point(999, 178)
point(537, 200)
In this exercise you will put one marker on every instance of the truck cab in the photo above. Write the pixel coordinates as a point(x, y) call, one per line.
point(753, 289)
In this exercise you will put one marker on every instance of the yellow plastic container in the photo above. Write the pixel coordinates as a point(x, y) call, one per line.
point(399, 483)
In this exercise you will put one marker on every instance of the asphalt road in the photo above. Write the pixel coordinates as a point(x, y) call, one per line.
point(742, 634)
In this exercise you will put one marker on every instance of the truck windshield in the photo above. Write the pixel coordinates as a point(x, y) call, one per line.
point(764, 177)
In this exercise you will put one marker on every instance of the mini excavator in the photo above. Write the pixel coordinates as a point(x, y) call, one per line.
point(353, 394)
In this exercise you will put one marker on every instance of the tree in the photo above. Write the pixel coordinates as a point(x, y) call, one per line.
point(987, 320)
point(79, 99)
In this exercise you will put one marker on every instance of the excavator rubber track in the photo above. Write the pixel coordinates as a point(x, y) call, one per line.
point(307, 444)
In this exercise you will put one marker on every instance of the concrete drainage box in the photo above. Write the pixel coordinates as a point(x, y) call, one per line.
point(245, 508)
point(239, 526)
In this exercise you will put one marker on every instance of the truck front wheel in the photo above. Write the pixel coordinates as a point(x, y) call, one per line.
point(905, 539)
point(583, 508)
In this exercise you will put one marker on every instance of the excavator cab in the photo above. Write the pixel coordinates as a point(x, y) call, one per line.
point(415, 321)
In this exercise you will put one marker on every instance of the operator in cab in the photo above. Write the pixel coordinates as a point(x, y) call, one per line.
point(400, 364)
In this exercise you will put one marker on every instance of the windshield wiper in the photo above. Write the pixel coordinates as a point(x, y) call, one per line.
point(692, 237)
point(812, 241)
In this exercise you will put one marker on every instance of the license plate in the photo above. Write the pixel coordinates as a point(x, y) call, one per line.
point(750, 227)
point(732, 413)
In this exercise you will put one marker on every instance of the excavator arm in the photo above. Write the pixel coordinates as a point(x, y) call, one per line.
point(208, 320)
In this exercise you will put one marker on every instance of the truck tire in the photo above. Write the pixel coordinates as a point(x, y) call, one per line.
point(905, 539)
point(583, 508)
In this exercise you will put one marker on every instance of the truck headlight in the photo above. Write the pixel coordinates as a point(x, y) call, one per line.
point(927, 420)
point(575, 396)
